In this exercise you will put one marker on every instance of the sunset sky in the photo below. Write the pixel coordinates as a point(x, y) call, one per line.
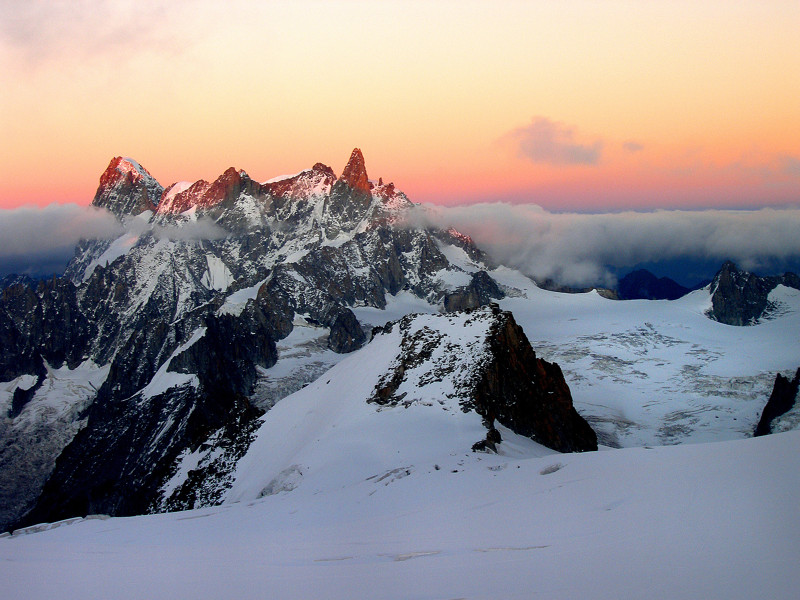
point(571, 105)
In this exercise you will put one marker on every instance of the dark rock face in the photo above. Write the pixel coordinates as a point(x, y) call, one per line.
point(46, 323)
point(119, 461)
point(642, 284)
point(14, 279)
point(738, 297)
point(741, 298)
point(480, 292)
point(529, 395)
point(346, 333)
point(507, 383)
point(782, 400)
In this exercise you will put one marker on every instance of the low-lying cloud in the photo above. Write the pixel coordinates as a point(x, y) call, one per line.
point(201, 229)
point(41, 241)
point(546, 141)
point(579, 249)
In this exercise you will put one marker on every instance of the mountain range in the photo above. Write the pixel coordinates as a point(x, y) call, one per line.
point(242, 340)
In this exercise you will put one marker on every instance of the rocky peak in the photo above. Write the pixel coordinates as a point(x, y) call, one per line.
point(202, 194)
point(226, 187)
point(739, 297)
point(127, 188)
point(355, 173)
point(482, 360)
point(319, 179)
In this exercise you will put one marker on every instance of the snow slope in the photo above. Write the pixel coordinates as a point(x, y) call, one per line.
point(693, 521)
point(327, 435)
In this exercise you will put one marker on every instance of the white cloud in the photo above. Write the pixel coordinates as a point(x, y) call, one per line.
point(546, 141)
point(202, 229)
point(41, 240)
point(577, 249)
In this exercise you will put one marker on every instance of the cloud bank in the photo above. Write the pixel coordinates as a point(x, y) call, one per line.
point(546, 141)
point(40, 241)
point(581, 249)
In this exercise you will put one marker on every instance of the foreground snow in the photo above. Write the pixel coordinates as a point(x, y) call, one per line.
point(693, 521)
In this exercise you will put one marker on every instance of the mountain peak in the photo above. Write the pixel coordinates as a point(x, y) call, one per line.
point(203, 194)
point(127, 188)
point(355, 173)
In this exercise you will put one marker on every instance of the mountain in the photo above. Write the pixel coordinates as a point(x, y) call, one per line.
point(642, 284)
point(127, 188)
point(742, 298)
point(424, 388)
point(174, 323)
point(13, 279)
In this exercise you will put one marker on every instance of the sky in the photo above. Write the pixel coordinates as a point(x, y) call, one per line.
point(572, 106)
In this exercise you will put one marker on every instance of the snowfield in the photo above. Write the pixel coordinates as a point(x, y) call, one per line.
point(657, 372)
point(692, 521)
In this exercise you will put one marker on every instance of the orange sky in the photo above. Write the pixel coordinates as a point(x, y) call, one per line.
point(573, 105)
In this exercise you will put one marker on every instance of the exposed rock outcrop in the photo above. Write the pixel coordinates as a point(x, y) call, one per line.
point(355, 173)
point(484, 360)
point(482, 289)
point(346, 333)
point(782, 411)
point(741, 298)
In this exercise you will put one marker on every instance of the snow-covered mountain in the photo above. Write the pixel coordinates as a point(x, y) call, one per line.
point(138, 382)
point(338, 396)
point(182, 313)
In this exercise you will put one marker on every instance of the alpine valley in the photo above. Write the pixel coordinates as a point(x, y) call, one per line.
point(293, 389)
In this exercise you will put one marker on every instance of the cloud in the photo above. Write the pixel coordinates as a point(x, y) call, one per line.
point(202, 229)
point(633, 147)
point(85, 29)
point(580, 249)
point(546, 141)
point(40, 241)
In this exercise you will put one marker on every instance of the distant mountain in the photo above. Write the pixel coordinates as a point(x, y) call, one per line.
point(742, 298)
point(14, 279)
point(642, 284)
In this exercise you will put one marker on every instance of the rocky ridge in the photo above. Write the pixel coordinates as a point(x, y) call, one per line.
point(483, 360)
point(742, 298)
